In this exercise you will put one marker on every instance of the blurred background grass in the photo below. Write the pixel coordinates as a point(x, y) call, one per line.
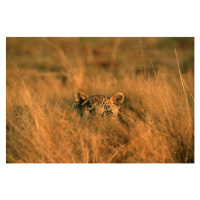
point(38, 54)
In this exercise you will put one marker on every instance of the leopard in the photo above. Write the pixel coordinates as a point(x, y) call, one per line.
point(98, 105)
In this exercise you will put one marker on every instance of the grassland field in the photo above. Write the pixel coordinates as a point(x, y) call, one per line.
point(156, 120)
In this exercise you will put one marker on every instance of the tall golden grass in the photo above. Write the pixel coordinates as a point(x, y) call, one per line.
point(156, 121)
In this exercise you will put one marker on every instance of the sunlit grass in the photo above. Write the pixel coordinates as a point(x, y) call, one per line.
point(156, 121)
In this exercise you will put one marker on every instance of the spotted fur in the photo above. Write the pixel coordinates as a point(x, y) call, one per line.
point(98, 104)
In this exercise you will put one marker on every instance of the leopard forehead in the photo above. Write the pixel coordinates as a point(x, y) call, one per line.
point(99, 99)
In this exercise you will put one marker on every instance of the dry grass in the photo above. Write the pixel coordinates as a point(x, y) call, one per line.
point(156, 121)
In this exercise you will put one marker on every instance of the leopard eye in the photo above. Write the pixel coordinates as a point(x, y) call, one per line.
point(90, 110)
point(108, 112)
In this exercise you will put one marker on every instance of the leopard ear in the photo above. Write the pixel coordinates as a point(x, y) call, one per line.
point(80, 97)
point(118, 98)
